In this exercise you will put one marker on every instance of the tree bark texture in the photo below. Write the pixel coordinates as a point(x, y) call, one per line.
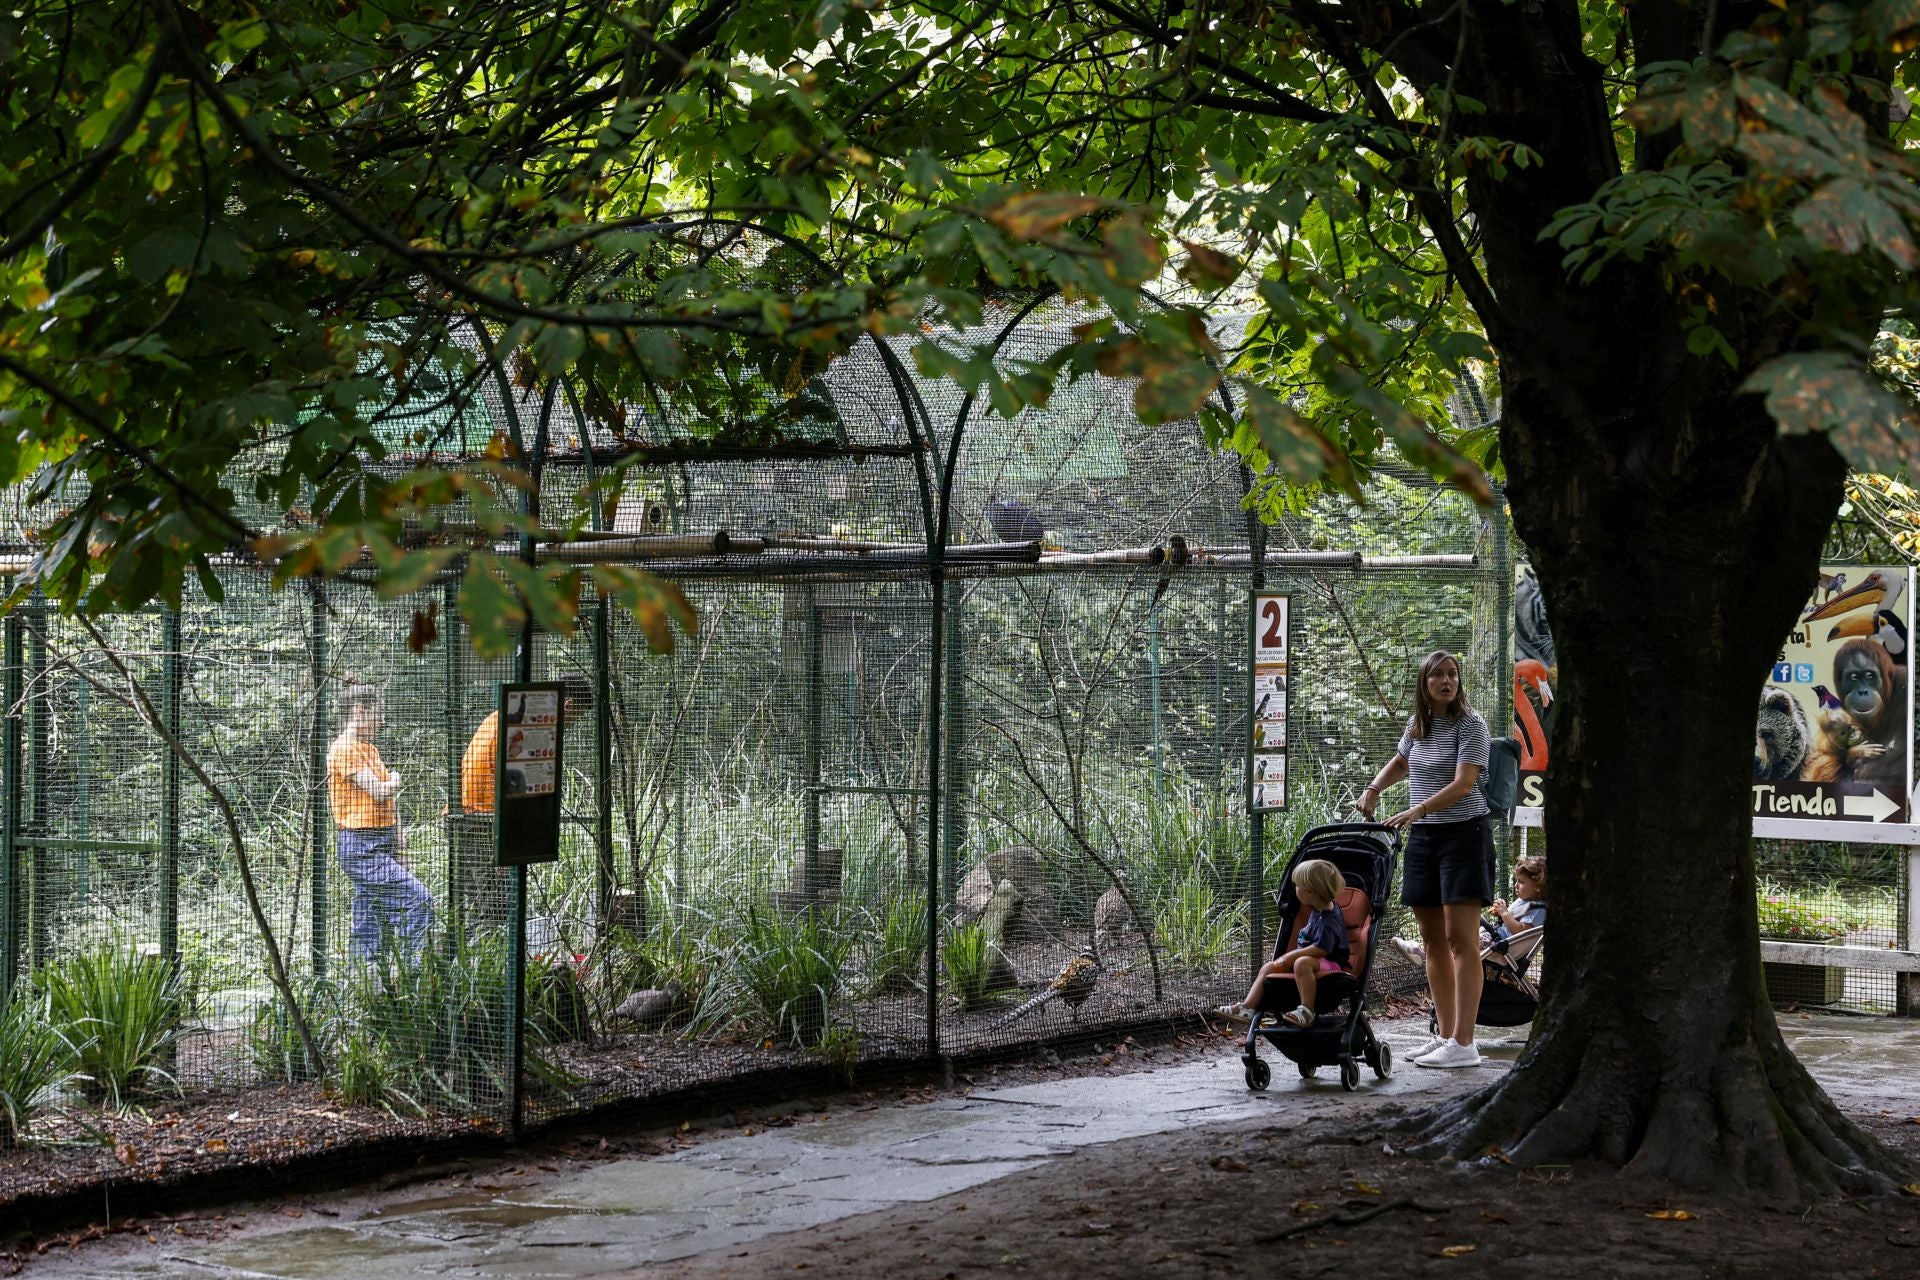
point(1676, 535)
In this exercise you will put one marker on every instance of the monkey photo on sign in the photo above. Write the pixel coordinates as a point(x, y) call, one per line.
point(1870, 689)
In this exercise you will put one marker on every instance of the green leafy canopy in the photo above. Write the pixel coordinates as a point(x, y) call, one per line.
point(236, 240)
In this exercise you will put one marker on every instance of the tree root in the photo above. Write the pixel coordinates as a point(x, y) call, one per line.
point(1746, 1118)
point(1351, 1219)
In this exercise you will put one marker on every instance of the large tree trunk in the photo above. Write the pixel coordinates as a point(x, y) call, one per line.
point(1670, 580)
point(1676, 534)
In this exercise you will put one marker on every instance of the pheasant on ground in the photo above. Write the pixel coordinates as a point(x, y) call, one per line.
point(1073, 986)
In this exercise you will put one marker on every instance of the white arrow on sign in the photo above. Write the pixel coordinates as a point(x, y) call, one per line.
point(1874, 808)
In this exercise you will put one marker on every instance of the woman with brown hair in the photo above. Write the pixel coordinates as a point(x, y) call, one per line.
point(1448, 871)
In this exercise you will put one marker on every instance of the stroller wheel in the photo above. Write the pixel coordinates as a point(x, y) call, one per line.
point(1349, 1074)
point(1259, 1074)
point(1383, 1060)
point(1308, 1070)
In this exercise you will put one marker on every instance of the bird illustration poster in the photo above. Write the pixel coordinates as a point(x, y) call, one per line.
point(1267, 710)
point(1834, 737)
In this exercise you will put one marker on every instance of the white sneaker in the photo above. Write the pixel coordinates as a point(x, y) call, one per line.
point(1411, 950)
point(1450, 1055)
point(1432, 1044)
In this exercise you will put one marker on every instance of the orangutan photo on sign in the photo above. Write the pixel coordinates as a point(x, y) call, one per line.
point(1832, 736)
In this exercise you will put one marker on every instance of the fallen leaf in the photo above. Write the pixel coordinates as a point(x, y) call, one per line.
point(214, 1146)
point(1912, 1188)
point(1363, 1189)
point(1227, 1164)
point(126, 1153)
point(1487, 1215)
point(1671, 1215)
point(1457, 1250)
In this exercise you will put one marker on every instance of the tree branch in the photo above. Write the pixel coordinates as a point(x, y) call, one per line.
point(277, 964)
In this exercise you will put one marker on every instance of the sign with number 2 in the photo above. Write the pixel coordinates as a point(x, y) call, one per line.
point(1267, 708)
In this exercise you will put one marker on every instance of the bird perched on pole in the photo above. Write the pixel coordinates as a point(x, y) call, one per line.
point(1074, 986)
point(1014, 521)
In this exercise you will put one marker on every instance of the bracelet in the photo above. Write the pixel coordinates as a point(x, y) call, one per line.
point(1369, 790)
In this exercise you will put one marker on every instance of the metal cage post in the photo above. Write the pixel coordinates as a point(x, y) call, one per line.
point(318, 818)
point(953, 820)
point(816, 662)
point(39, 766)
point(1503, 658)
point(1256, 819)
point(12, 905)
point(171, 682)
point(605, 874)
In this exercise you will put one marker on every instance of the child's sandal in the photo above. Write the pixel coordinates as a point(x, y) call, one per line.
point(1301, 1017)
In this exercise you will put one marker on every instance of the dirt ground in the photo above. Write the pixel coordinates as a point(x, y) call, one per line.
point(1284, 1200)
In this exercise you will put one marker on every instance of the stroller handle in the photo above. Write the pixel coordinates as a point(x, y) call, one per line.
point(1392, 834)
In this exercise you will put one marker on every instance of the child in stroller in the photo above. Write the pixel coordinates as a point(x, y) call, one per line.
point(1507, 921)
point(1321, 945)
point(1363, 855)
point(1509, 939)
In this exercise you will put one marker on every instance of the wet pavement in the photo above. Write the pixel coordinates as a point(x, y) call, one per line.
point(624, 1214)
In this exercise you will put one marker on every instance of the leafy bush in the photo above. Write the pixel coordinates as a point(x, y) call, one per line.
point(896, 947)
point(788, 968)
point(1193, 932)
point(361, 1072)
point(434, 1031)
point(839, 1049)
point(273, 1041)
point(36, 1061)
point(1790, 921)
point(975, 973)
point(123, 1012)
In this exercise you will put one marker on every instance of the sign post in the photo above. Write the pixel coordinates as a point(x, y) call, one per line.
point(526, 779)
point(1271, 640)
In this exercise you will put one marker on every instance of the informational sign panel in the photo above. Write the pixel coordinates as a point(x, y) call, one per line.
point(1834, 738)
point(526, 793)
point(1833, 741)
point(1267, 718)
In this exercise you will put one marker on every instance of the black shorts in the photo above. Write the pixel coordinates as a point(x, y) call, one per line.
point(1448, 862)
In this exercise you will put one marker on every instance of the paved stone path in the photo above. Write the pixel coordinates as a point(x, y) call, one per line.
point(729, 1191)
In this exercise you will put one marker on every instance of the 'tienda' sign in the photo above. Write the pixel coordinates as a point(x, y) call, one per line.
point(1834, 736)
point(1833, 740)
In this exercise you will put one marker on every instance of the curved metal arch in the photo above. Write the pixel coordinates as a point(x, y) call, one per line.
point(1223, 393)
point(913, 410)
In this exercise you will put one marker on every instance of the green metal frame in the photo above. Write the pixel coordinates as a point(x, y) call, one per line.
point(12, 920)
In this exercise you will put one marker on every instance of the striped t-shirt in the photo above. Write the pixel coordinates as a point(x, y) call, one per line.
point(1433, 760)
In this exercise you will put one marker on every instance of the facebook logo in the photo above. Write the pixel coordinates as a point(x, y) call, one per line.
point(1783, 673)
point(1803, 672)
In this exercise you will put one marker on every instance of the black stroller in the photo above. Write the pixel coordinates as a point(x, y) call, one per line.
point(1366, 854)
point(1510, 996)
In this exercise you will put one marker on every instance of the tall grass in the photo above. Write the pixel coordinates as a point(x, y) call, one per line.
point(788, 968)
point(1195, 930)
point(896, 946)
point(36, 1062)
point(975, 973)
point(123, 1012)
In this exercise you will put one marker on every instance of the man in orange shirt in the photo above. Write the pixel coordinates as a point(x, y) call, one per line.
point(481, 893)
point(389, 903)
